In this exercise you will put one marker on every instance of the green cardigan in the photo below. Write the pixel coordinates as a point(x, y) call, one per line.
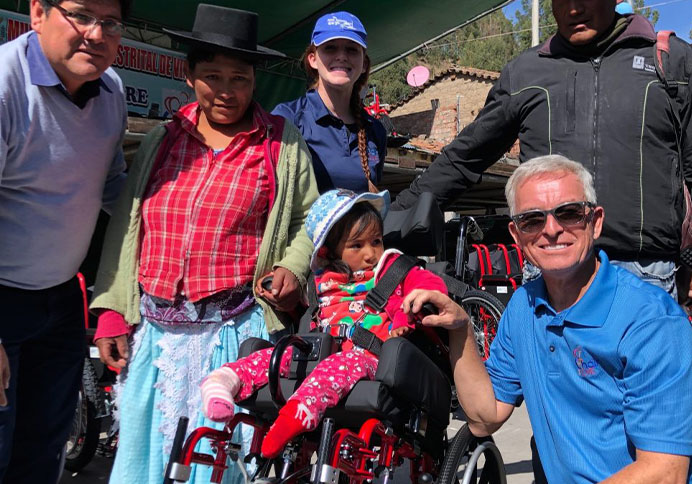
point(284, 244)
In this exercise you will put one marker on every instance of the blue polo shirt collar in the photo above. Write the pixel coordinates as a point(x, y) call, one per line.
point(42, 73)
point(592, 309)
point(319, 109)
point(317, 105)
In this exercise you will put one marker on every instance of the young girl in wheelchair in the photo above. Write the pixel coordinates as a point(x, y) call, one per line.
point(347, 261)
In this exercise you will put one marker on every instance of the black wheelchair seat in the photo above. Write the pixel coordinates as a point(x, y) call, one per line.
point(409, 391)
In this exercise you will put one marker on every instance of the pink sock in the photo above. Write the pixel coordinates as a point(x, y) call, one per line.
point(218, 390)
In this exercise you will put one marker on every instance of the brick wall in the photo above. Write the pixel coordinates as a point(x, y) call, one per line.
point(417, 117)
point(444, 124)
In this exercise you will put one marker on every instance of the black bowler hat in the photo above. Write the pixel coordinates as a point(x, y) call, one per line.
point(225, 29)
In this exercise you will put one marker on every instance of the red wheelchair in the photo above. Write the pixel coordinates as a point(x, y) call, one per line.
point(399, 419)
point(394, 425)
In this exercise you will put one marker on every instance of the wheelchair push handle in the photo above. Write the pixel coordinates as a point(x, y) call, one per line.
point(275, 365)
point(468, 227)
point(474, 230)
point(427, 309)
point(267, 283)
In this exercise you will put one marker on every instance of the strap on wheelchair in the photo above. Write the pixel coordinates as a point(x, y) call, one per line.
point(455, 287)
point(379, 295)
point(367, 340)
point(377, 299)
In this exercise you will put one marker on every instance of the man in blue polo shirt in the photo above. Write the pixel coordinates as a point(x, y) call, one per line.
point(62, 121)
point(603, 359)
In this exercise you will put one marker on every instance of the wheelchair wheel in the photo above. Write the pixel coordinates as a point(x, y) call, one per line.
point(84, 435)
point(485, 311)
point(461, 460)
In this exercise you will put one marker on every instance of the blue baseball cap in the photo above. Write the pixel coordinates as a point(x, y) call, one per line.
point(329, 208)
point(339, 25)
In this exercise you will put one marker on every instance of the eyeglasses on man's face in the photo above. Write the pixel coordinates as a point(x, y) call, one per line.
point(87, 22)
point(568, 215)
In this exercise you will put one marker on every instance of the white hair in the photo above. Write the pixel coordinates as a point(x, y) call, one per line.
point(548, 165)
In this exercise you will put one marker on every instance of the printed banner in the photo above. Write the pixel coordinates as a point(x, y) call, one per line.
point(153, 77)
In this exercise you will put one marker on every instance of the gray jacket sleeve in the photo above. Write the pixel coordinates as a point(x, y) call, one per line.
point(115, 180)
point(3, 156)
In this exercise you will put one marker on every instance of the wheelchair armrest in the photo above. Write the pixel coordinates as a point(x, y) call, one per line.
point(251, 345)
point(310, 349)
point(411, 375)
point(323, 344)
point(274, 372)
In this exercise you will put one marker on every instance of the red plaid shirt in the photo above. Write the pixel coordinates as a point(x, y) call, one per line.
point(204, 214)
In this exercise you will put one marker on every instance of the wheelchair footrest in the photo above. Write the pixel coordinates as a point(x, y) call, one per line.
point(327, 474)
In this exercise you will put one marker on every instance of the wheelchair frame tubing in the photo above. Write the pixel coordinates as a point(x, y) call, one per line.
point(274, 376)
point(351, 452)
point(219, 439)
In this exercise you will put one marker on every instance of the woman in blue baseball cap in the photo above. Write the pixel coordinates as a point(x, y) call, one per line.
point(348, 146)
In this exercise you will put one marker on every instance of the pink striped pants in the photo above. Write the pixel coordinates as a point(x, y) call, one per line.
point(326, 385)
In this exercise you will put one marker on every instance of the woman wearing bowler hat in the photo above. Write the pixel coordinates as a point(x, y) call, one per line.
point(348, 146)
point(215, 201)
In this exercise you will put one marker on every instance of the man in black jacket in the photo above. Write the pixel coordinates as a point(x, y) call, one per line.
point(591, 93)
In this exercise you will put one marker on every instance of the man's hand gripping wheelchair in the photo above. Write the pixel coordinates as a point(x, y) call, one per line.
point(402, 414)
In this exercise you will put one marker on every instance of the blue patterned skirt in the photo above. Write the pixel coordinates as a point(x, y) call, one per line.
point(161, 384)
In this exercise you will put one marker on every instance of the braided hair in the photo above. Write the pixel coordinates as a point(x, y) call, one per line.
point(355, 106)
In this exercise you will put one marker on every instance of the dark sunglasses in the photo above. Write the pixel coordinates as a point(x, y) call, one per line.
point(567, 215)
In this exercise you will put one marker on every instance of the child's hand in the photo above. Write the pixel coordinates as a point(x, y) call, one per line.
point(400, 331)
point(285, 290)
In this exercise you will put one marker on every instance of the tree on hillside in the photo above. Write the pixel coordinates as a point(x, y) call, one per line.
point(390, 82)
point(547, 24)
point(647, 12)
point(484, 44)
point(489, 43)
point(522, 24)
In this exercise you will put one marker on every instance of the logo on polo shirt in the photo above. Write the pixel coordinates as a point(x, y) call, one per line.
point(373, 154)
point(586, 365)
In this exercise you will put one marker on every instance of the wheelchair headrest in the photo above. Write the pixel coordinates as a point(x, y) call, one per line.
point(418, 230)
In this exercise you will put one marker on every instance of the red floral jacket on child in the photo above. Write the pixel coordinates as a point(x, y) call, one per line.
point(342, 301)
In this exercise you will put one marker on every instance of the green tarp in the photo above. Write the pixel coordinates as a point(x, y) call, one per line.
point(394, 27)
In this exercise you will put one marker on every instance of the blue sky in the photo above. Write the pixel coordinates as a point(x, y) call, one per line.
point(673, 15)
